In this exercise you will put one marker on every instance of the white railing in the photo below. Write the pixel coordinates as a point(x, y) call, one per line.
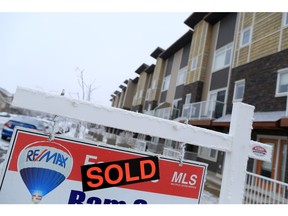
point(203, 110)
point(165, 113)
point(171, 152)
point(263, 190)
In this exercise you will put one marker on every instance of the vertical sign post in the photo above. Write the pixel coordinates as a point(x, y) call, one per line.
point(234, 172)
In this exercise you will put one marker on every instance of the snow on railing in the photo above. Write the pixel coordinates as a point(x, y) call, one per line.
point(263, 190)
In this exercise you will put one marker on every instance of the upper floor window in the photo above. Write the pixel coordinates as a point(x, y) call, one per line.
point(166, 83)
point(194, 63)
point(181, 76)
point(246, 36)
point(285, 19)
point(239, 90)
point(222, 57)
point(282, 82)
point(154, 82)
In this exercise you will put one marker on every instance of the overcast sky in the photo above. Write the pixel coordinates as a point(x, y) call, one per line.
point(47, 50)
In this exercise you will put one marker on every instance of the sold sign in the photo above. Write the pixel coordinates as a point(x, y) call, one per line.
point(111, 174)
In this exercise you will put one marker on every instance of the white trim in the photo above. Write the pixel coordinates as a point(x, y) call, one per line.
point(164, 83)
point(284, 19)
point(222, 50)
point(234, 91)
point(281, 94)
point(250, 37)
point(194, 60)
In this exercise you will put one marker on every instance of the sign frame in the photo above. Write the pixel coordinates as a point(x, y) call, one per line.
point(11, 154)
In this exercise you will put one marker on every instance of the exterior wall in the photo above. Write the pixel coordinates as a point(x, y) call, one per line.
point(260, 83)
point(196, 89)
point(140, 93)
point(199, 48)
point(268, 36)
point(129, 94)
point(174, 73)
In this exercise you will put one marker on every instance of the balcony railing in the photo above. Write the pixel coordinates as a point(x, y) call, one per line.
point(203, 110)
point(165, 113)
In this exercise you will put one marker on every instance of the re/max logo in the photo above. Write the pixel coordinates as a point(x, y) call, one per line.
point(47, 156)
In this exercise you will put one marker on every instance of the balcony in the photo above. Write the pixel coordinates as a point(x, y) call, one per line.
point(165, 113)
point(203, 110)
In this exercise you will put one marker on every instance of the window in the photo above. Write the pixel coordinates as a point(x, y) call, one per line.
point(282, 82)
point(166, 83)
point(208, 154)
point(285, 19)
point(222, 57)
point(246, 36)
point(188, 98)
point(181, 76)
point(154, 82)
point(239, 88)
point(194, 63)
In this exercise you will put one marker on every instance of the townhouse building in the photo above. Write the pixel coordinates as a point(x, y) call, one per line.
point(224, 58)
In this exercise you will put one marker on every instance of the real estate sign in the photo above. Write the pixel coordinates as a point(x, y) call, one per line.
point(69, 171)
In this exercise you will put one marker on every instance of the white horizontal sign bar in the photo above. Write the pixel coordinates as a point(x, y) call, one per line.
point(121, 119)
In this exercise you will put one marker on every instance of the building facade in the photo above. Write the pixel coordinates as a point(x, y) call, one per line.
point(223, 58)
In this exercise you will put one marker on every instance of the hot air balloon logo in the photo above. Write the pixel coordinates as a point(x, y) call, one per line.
point(43, 166)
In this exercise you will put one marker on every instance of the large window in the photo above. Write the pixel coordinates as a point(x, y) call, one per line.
point(166, 83)
point(207, 153)
point(282, 82)
point(222, 57)
point(246, 36)
point(239, 88)
point(181, 76)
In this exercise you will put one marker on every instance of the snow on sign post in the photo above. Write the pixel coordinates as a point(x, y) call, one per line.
point(38, 170)
point(237, 144)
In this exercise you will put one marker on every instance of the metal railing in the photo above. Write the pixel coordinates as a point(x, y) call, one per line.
point(203, 110)
point(263, 190)
point(165, 113)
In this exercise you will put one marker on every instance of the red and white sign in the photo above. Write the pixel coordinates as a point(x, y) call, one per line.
point(40, 171)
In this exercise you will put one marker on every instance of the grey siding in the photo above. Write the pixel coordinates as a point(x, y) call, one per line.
point(169, 66)
point(219, 79)
point(185, 55)
point(179, 92)
point(226, 30)
point(163, 96)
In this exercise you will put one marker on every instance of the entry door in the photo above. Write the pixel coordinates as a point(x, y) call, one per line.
point(270, 170)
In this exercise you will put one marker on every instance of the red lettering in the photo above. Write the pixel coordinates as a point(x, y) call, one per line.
point(90, 175)
point(128, 175)
point(142, 169)
point(107, 174)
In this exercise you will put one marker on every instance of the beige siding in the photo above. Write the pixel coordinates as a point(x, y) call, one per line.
point(141, 87)
point(158, 76)
point(267, 26)
point(199, 48)
point(264, 47)
point(259, 16)
point(248, 19)
point(266, 30)
point(284, 44)
point(243, 55)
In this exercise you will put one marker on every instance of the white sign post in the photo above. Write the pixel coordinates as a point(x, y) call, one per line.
point(236, 144)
